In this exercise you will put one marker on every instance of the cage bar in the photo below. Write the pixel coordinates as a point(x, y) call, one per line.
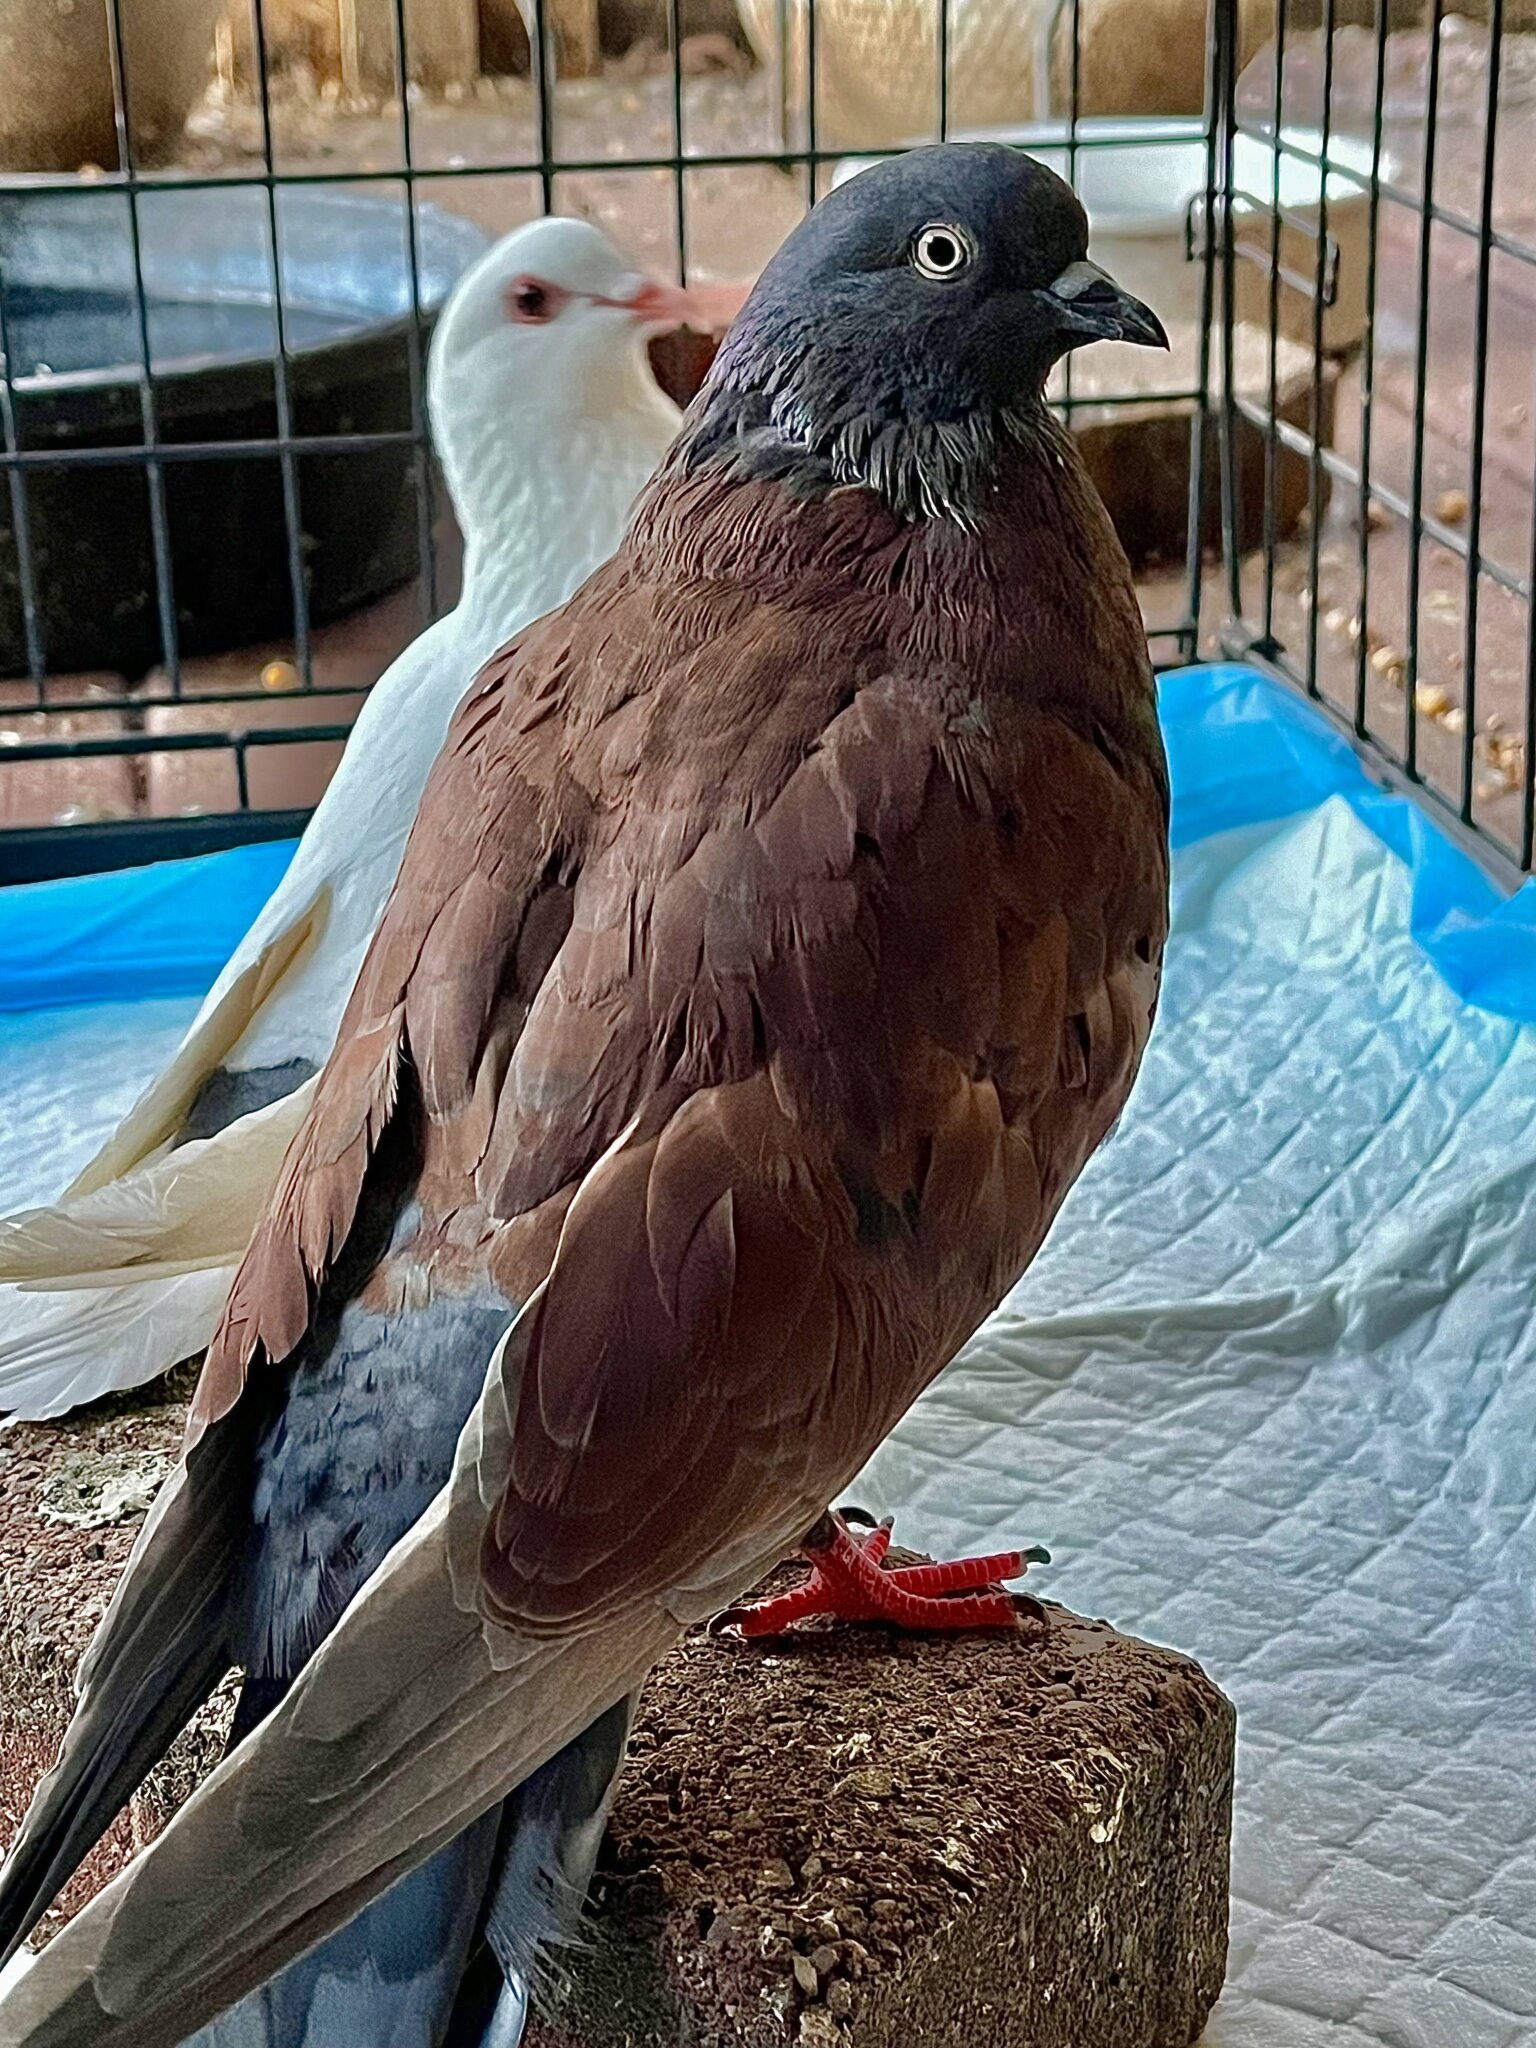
point(287, 467)
point(154, 474)
point(1479, 411)
point(1362, 613)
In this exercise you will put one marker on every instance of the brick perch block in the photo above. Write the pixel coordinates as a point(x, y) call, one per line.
point(873, 1841)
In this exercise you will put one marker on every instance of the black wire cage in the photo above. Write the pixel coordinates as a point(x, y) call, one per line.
point(1332, 476)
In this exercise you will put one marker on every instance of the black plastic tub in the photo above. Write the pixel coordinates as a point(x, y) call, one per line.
point(74, 342)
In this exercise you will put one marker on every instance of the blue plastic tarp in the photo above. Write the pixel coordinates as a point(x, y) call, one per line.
point(164, 930)
point(1244, 750)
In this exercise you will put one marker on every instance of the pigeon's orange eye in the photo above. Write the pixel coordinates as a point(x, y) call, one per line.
point(532, 301)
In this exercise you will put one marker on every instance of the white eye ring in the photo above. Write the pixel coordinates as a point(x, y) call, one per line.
point(940, 251)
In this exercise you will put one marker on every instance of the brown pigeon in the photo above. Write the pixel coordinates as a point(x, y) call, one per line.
point(780, 934)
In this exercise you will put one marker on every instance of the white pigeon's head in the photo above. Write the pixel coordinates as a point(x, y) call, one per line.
point(547, 328)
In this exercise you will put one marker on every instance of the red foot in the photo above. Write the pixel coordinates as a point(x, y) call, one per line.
point(847, 1580)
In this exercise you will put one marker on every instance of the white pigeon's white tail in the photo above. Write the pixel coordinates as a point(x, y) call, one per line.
point(109, 1289)
point(62, 1348)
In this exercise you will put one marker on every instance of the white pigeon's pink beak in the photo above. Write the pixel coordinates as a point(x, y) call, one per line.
point(707, 308)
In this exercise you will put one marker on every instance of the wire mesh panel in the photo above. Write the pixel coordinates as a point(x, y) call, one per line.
point(1392, 577)
point(220, 517)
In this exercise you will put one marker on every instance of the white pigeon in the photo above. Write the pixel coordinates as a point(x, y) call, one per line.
point(547, 422)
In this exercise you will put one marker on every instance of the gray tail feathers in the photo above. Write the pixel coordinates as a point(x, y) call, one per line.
point(388, 1979)
point(551, 1831)
point(156, 1657)
point(448, 1956)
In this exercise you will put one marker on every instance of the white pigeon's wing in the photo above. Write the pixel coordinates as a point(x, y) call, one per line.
point(16, 1969)
point(301, 953)
point(137, 1254)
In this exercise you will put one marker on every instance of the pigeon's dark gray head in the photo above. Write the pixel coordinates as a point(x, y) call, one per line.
point(907, 327)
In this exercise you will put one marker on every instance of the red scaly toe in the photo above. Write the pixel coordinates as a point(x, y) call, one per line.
point(849, 1581)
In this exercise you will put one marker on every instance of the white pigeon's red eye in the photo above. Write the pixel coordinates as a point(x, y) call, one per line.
point(532, 301)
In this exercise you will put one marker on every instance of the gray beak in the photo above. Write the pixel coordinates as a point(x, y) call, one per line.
point(1086, 301)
